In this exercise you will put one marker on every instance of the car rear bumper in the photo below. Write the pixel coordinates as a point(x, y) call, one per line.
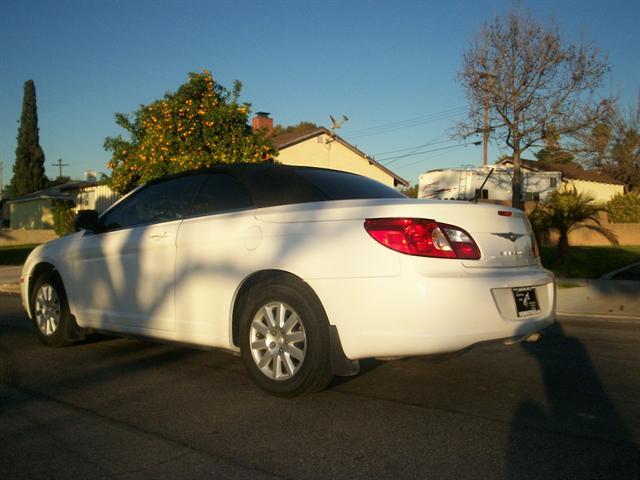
point(413, 314)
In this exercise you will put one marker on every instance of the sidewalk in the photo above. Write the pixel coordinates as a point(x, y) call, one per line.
point(613, 299)
point(10, 278)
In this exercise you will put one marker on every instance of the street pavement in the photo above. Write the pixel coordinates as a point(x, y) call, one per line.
point(565, 408)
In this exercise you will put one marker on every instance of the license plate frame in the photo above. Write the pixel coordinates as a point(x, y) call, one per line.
point(526, 301)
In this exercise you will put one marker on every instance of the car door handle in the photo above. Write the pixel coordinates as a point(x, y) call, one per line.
point(158, 236)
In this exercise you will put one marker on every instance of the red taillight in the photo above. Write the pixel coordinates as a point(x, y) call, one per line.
point(505, 213)
point(425, 238)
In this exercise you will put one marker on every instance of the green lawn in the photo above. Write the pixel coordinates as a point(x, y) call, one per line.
point(590, 262)
point(15, 254)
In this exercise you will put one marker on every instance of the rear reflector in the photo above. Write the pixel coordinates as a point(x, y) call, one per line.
point(421, 237)
point(505, 213)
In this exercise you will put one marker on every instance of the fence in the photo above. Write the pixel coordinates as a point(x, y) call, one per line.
point(627, 233)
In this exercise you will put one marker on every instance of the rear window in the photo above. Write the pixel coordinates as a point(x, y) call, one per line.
point(346, 186)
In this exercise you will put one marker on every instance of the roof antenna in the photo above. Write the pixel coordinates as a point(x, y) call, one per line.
point(479, 190)
point(335, 124)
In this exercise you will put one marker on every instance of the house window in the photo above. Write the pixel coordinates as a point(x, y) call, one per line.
point(553, 182)
point(532, 196)
point(484, 194)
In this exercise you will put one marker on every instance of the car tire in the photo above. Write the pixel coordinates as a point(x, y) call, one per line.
point(284, 339)
point(52, 321)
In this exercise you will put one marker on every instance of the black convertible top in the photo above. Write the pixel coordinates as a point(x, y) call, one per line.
point(271, 184)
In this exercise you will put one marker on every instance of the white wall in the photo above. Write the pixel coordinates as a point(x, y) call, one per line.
point(325, 152)
point(97, 198)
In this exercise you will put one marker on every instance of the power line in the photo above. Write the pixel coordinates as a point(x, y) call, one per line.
point(423, 159)
point(406, 155)
point(407, 123)
point(430, 157)
point(429, 143)
point(403, 126)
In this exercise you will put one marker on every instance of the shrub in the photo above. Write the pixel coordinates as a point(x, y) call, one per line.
point(63, 217)
point(564, 212)
point(624, 208)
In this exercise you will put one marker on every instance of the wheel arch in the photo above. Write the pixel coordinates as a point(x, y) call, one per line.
point(265, 276)
point(340, 364)
point(36, 272)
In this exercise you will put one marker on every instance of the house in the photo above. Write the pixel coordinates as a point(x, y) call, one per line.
point(35, 211)
point(593, 183)
point(319, 147)
point(539, 180)
point(91, 195)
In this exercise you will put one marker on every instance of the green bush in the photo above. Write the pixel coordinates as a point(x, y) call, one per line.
point(63, 217)
point(624, 208)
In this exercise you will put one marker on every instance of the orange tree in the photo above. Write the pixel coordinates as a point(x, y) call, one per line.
point(199, 125)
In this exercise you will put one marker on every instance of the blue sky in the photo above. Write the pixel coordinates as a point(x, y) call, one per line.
point(379, 62)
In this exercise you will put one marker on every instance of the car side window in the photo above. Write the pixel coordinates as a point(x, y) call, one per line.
point(159, 202)
point(220, 193)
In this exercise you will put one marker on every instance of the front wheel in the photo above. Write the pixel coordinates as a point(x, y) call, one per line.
point(50, 311)
point(285, 340)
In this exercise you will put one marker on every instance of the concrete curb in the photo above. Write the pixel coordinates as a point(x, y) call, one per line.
point(599, 316)
point(610, 275)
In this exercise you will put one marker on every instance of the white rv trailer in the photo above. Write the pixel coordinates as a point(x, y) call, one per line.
point(462, 184)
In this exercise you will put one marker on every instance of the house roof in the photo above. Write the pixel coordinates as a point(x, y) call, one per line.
point(286, 140)
point(77, 185)
point(570, 171)
point(52, 193)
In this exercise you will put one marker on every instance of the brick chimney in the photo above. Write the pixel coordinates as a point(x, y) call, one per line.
point(262, 120)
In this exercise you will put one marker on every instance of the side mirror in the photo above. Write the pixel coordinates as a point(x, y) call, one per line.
point(88, 220)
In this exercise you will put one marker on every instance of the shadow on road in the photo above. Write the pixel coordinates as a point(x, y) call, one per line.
point(576, 427)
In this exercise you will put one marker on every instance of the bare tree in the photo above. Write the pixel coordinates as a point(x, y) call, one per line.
point(521, 74)
point(622, 154)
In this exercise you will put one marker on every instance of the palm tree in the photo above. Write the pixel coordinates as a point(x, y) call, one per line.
point(566, 211)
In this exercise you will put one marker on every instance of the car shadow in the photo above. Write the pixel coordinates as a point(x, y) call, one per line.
point(577, 432)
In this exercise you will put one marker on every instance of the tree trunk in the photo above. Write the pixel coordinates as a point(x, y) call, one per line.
point(516, 184)
point(563, 249)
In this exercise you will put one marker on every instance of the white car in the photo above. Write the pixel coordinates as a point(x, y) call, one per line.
point(303, 271)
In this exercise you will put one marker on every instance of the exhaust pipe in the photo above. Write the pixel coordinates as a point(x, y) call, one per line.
point(534, 337)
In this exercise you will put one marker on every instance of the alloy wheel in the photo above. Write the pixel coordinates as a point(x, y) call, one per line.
point(278, 341)
point(47, 309)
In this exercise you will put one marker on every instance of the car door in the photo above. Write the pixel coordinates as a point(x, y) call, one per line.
point(125, 276)
point(215, 249)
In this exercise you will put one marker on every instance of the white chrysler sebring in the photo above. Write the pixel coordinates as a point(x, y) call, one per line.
point(303, 271)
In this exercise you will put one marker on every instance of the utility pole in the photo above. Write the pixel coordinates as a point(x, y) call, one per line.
point(487, 82)
point(60, 165)
point(1, 179)
point(485, 131)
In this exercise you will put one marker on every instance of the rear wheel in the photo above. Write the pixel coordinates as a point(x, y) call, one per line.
point(52, 321)
point(284, 340)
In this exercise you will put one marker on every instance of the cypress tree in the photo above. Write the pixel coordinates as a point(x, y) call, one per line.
point(28, 169)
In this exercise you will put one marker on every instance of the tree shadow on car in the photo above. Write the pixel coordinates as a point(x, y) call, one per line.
point(577, 432)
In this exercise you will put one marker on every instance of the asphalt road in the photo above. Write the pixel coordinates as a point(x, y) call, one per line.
point(568, 407)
